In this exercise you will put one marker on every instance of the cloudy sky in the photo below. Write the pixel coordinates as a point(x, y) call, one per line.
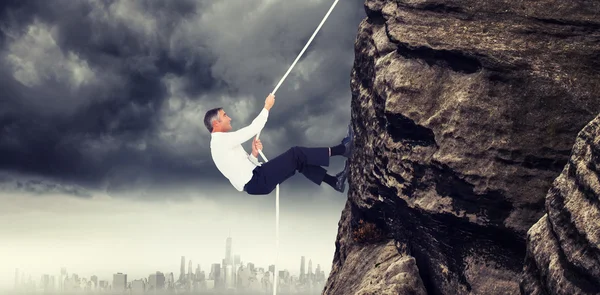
point(104, 160)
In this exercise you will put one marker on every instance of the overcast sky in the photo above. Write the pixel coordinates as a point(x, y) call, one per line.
point(104, 160)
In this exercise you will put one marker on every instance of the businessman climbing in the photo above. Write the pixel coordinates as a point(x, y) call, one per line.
point(246, 173)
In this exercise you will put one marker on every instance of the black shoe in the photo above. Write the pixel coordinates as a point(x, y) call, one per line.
point(348, 141)
point(340, 184)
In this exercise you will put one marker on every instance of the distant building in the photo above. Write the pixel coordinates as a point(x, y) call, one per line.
point(197, 275)
point(170, 281)
point(138, 287)
point(210, 284)
point(228, 257)
point(62, 278)
point(302, 269)
point(156, 281)
point(182, 270)
point(45, 283)
point(103, 285)
point(215, 271)
point(284, 274)
point(95, 280)
point(245, 277)
point(215, 274)
point(119, 282)
point(52, 283)
point(229, 284)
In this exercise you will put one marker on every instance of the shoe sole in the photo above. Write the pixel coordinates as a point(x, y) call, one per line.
point(351, 145)
point(346, 172)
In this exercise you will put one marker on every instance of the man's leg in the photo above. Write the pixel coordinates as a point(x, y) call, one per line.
point(306, 161)
point(302, 159)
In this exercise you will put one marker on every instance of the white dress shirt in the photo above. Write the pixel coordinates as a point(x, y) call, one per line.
point(229, 155)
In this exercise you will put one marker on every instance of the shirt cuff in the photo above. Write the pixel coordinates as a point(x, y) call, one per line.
point(254, 160)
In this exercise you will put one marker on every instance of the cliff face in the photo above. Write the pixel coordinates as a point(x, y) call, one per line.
point(464, 112)
point(563, 248)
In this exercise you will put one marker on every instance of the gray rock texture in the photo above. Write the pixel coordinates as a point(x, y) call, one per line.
point(465, 112)
point(563, 248)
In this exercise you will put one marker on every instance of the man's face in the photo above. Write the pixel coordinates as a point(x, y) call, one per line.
point(224, 121)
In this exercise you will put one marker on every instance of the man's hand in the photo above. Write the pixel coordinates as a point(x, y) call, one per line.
point(269, 101)
point(256, 146)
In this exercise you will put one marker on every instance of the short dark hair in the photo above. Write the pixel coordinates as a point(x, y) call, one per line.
point(210, 116)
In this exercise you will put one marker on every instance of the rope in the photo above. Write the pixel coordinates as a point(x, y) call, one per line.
point(265, 158)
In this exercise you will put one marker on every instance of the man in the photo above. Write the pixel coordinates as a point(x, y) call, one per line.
point(247, 174)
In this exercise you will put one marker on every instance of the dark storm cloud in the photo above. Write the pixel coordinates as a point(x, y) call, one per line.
point(111, 94)
point(39, 186)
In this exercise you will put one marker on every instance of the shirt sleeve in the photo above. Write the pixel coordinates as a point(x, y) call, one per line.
point(240, 136)
point(254, 160)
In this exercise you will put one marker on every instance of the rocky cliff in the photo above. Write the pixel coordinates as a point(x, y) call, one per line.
point(563, 248)
point(465, 112)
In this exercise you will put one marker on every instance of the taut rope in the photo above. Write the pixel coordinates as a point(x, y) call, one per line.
point(265, 158)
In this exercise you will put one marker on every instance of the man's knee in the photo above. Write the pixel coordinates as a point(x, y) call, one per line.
point(296, 155)
point(295, 150)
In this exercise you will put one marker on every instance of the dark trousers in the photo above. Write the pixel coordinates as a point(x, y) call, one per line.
point(307, 161)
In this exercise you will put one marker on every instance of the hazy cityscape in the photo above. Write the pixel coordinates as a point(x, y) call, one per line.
point(230, 276)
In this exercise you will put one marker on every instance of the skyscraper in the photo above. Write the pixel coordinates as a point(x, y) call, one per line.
point(182, 270)
point(229, 277)
point(222, 274)
point(302, 268)
point(318, 272)
point(310, 274)
point(152, 282)
point(160, 280)
point(236, 267)
point(61, 280)
point(190, 270)
point(228, 257)
point(171, 280)
point(156, 281)
point(215, 273)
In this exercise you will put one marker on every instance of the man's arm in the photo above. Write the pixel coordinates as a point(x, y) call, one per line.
point(240, 136)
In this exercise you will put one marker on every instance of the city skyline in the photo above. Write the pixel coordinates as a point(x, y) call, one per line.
point(21, 274)
point(101, 235)
point(65, 280)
